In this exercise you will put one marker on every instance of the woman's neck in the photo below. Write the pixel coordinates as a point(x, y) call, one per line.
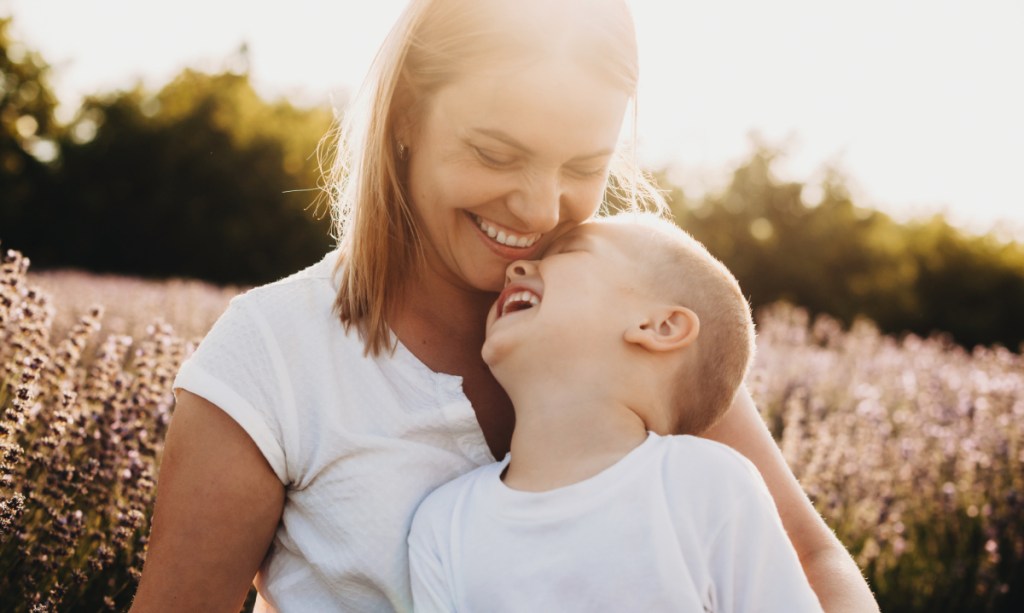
point(443, 325)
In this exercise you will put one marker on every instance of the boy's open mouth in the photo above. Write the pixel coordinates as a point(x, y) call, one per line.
point(515, 298)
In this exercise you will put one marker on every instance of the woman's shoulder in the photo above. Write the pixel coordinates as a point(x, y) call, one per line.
point(306, 291)
point(288, 313)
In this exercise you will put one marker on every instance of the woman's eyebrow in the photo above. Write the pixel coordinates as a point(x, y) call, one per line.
point(509, 140)
point(503, 137)
point(590, 156)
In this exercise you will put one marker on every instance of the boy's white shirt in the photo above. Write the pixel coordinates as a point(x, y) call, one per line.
point(679, 524)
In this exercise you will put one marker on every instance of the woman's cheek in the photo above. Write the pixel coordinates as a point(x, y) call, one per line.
point(470, 186)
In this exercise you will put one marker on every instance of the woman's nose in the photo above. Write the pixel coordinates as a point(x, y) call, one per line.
point(538, 205)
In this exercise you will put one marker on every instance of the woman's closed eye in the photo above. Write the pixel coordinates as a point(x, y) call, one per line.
point(587, 172)
point(493, 158)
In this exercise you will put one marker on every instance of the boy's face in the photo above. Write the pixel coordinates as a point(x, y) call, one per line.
point(576, 301)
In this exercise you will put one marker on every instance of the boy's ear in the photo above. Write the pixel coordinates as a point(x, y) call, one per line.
point(667, 328)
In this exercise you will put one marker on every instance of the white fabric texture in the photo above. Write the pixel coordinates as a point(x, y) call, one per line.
point(357, 441)
point(679, 524)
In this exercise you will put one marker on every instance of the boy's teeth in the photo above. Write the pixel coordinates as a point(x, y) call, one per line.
point(519, 298)
point(506, 238)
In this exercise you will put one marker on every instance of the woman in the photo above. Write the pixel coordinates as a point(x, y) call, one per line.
point(320, 409)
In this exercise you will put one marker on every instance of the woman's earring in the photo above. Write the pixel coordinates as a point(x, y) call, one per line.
point(403, 151)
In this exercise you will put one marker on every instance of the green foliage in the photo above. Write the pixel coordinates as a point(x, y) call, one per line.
point(201, 179)
point(968, 285)
point(836, 258)
point(198, 181)
point(27, 126)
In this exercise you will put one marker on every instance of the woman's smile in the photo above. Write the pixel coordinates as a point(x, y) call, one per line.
point(504, 236)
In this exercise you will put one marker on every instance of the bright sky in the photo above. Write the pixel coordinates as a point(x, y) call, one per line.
point(920, 102)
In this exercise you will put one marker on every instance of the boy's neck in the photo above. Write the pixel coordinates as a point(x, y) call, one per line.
point(565, 434)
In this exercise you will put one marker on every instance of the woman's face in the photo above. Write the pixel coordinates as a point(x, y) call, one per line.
point(505, 161)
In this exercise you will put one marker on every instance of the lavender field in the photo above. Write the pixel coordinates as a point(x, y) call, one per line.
point(913, 449)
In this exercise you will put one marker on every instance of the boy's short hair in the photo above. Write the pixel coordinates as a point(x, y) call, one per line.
point(680, 267)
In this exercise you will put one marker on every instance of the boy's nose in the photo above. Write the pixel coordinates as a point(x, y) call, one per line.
point(519, 269)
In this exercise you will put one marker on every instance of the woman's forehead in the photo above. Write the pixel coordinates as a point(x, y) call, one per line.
point(555, 107)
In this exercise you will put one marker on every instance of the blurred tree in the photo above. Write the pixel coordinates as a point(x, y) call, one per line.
point(971, 286)
point(27, 132)
point(203, 179)
point(834, 257)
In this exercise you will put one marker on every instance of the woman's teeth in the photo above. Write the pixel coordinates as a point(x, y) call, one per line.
point(505, 237)
point(519, 301)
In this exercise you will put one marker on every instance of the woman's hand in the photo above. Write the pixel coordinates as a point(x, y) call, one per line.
point(217, 507)
point(833, 574)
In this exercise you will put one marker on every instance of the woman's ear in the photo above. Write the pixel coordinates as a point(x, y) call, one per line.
point(401, 136)
point(668, 328)
point(402, 118)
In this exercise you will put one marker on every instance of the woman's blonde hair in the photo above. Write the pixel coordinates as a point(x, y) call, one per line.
point(434, 43)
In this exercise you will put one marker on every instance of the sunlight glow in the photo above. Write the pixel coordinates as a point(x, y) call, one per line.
point(917, 101)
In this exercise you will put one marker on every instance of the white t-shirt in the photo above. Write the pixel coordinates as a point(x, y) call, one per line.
point(679, 524)
point(357, 441)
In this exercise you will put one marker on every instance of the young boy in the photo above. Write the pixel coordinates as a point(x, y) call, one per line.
point(626, 333)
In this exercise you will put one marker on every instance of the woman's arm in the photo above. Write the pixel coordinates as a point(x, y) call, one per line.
point(217, 507)
point(833, 574)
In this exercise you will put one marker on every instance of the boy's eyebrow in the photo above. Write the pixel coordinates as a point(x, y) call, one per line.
point(568, 240)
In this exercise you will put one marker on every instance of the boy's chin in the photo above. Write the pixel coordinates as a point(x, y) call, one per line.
point(495, 353)
point(490, 353)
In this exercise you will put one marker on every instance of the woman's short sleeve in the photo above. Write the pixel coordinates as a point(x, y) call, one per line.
point(234, 368)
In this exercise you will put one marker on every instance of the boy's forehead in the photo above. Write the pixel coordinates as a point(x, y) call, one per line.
point(621, 234)
point(602, 235)
point(593, 234)
point(571, 239)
